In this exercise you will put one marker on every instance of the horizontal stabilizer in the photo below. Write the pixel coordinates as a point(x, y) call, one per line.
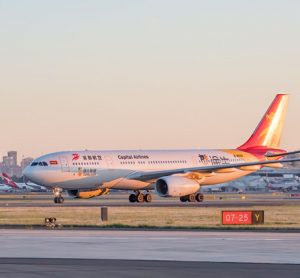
point(281, 154)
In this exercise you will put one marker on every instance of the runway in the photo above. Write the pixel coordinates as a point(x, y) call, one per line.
point(228, 204)
point(41, 253)
point(243, 247)
point(121, 200)
point(74, 268)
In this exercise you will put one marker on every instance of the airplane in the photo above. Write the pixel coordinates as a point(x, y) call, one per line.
point(171, 173)
point(7, 180)
point(5, 188)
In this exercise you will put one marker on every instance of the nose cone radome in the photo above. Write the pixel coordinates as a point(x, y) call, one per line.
point(33, 174)
point(28, 173)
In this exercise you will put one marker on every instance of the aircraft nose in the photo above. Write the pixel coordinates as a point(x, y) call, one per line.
point(28, 173)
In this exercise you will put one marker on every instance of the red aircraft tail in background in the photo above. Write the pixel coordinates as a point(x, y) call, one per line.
point(8, 181)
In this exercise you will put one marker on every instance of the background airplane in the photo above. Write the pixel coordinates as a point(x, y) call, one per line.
point(172, 173)
point(5, 188)
point(7, 180)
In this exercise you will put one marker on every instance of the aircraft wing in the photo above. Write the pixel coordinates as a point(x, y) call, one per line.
point(151, 175)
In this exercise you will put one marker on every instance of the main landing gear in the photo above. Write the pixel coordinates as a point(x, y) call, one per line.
point(58, 199)
point(140, 198)
point(192, 198)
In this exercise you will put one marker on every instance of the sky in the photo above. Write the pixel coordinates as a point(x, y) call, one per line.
point(144, 74)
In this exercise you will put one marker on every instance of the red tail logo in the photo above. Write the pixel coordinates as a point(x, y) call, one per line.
point(8, 181)
point(76, 156)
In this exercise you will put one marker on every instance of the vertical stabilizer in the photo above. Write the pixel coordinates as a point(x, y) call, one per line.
point(268, 132)
point(8, 181)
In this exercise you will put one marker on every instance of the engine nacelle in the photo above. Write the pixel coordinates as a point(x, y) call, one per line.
point(87, 194)
point(176, 186)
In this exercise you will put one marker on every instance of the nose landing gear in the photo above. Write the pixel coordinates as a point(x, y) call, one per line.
point(58, 199)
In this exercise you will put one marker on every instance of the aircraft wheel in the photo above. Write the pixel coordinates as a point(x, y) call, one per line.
point(140, 198)
point(192, 198)
point(148, 198)
point(61, 199)
point(132, 198)
point(55, 200)
point(183, 199)
point(199, 197)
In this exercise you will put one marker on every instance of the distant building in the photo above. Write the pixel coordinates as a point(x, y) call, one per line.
point(13, 156)
point(26, 162)
point(8, 161)
point(10, 164)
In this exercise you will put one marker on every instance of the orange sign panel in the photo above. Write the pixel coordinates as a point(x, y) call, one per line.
point(242, 217)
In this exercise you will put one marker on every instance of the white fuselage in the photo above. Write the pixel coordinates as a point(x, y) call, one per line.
point(114, 169)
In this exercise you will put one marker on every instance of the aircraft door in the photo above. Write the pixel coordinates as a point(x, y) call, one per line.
point(64, 164)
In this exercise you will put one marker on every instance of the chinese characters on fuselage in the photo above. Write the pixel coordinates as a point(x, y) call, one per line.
point(213, 160)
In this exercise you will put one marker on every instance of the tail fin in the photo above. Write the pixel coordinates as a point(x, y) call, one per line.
point(268, 132)
point(8, 181)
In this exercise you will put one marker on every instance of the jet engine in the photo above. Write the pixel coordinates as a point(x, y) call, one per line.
point(176, 186)
point(87, 194)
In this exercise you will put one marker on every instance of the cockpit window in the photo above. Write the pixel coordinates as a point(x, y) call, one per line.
point(41, 163)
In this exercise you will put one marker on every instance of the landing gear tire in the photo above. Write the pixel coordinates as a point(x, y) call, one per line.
point(140, 198)
point(59, 200)
point(199, 197)
point(148, 198)
point(192, 198)
point(132, 198)
point(183, 199)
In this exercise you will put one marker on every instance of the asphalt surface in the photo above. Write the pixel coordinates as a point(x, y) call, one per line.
point(242, 247)
point(64, 253)
point(121, 200)
point(73, 268)
point(230, 204)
